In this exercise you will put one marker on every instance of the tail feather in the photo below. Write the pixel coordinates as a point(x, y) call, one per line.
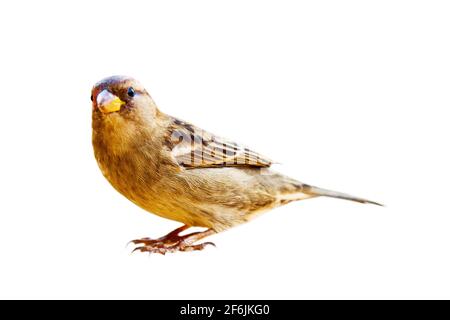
point(315, 191)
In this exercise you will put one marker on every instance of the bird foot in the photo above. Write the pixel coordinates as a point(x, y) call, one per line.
point(164, 248)
point(173, 242)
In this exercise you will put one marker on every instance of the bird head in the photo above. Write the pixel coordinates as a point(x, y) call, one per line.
point(120, 96)
point(123, 113)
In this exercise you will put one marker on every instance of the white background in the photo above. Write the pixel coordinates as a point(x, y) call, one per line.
point(348, 95)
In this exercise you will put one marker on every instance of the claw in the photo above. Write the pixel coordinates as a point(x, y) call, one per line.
point(210, 244)
point(137, 249)
point(173, 242)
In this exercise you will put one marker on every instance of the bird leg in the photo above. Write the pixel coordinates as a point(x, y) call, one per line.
point(173, 242)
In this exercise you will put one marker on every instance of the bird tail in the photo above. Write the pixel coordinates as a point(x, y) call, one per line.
point(315, 191)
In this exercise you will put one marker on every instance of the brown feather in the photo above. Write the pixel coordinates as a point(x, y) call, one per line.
point(193, 148)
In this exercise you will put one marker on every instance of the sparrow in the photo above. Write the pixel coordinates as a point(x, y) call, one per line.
point(178, 171)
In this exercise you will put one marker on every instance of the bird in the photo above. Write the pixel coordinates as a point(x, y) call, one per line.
point(178, 171)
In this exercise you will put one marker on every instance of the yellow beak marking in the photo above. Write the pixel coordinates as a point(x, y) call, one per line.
point(108, 102)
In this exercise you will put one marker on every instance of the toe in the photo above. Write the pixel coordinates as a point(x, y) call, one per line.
point(140, 241)
point(197, 247)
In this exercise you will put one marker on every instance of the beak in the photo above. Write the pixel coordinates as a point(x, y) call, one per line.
point(107, 102)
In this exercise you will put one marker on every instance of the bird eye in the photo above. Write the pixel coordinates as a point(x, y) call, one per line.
point(130, 92)
point(92, 97)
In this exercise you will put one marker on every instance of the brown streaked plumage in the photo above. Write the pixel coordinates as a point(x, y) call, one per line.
point(175, 170)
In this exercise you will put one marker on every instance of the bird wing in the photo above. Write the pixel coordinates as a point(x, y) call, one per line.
point(193, 148)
